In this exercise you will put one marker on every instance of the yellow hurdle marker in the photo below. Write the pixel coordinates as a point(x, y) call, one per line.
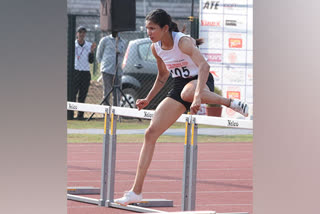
point(192, 134)
point(112, 116)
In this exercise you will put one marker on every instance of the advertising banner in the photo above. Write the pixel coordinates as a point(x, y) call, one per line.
point(226, 27)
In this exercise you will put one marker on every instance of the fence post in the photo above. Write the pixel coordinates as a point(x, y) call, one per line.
point(94, 72)
point(70, 60)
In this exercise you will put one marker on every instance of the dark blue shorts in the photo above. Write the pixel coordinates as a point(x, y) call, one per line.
point(178, 85)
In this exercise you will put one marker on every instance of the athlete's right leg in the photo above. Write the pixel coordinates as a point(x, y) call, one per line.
point(165, 115)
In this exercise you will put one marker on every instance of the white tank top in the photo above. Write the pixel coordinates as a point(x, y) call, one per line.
point(178, 63)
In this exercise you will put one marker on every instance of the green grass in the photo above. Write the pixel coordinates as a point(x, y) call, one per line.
point(124, 124)
point(91, 138)
point(138, 138)
point(95, 75)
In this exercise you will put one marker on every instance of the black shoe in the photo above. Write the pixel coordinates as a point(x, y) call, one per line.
point(81, 118)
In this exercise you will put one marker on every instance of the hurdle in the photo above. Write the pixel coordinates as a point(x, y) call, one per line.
point(106, 190)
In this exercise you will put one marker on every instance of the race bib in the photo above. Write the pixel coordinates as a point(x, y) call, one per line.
point(179, 69)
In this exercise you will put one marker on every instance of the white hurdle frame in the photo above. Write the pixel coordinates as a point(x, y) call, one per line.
point(109, 156)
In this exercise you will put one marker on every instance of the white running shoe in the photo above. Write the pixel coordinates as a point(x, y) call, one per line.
point(239, 106)
point(129, 197)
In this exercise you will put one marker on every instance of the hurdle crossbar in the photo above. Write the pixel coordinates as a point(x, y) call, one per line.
point(201, 119)
point(148, 114)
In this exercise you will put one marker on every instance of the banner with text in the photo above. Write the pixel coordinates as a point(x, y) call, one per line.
point(226, 27)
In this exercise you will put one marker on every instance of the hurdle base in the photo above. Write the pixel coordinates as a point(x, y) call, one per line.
point(155, 203)
point(83, 190)
point(83, 199)
point(235, 213)
point(134, 208)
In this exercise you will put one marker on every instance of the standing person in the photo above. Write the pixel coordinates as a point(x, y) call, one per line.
point(106, 55)
point(84, 54)
point(177, 54)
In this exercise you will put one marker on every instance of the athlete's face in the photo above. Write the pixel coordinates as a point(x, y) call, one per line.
point(155, 32)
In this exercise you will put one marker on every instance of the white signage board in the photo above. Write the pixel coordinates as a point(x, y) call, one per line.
point(226, 27)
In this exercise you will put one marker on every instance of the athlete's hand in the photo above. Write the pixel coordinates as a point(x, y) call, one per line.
point(195, 106)
point(142, 103)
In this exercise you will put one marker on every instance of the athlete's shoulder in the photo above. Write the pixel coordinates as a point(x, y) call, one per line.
point(182, 37)
point(186, 45)
point(186, 41)
point(154, 50)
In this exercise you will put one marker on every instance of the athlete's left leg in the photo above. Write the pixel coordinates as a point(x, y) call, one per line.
point(208, 96)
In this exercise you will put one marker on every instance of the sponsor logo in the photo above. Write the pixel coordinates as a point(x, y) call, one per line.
point(211, 5)
point(231, 22)
point(235, 95)
point(212, 57)
point(148, 115)
point(233, 123)
point(176, 65)
point(210, 23)
point(233, 57)
point(214, 73)
point(71, 106)
point(235, 43)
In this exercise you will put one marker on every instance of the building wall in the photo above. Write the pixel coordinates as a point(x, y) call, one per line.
point(176, 8)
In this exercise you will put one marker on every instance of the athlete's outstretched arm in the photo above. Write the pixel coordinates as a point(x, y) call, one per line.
point(162, 77)
point(187, 46)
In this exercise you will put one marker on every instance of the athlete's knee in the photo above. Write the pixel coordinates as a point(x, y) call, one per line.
point(187, 94)
point(151, 133)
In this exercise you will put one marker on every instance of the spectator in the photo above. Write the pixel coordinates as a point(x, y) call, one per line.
point(106, 55)
point(84, 54)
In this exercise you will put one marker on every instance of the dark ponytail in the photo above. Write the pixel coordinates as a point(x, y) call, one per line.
point(162, 18)
point(199, 42)
point(173, 27)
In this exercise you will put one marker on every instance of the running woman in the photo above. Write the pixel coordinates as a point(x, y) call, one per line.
point(176, 53)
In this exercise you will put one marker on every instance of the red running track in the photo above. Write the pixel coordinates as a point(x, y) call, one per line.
point(224, 178)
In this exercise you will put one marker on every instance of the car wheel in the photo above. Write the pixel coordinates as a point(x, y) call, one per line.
point(131, 96)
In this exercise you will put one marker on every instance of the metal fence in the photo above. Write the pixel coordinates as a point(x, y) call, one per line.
point(137, 67)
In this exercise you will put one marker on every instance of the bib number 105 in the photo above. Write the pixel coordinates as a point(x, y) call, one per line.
point(182, 72)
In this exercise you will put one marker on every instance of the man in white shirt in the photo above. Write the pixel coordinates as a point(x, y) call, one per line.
point(106, 55)
point(84, 56)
